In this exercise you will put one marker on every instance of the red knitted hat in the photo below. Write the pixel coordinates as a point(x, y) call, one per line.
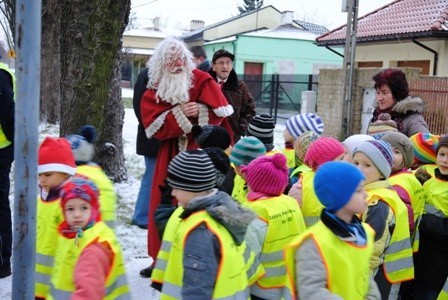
point(266, 176)
point(55, 155)
point(322, 150)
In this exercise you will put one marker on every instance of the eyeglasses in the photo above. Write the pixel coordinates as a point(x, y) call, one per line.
point(224, 62)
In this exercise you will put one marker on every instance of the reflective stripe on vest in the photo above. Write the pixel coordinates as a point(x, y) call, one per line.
point(398, 261)
point(231, 281)
point(49, 216)
point(4, 142)
point(107, 197)
point(285, 222)
point(354, 284)
point(67, 256)
point(311, 206)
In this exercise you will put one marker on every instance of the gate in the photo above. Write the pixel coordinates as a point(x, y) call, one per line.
point(280, 95)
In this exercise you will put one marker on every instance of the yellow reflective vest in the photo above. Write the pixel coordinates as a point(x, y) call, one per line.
point(107, 198)
point(4, 142)
point(62, 280)
point(311, 206)
point(285, 222)
point(239, 192)
point(437, 202)
point(231, 281)
point(416, 193)
point(347, 265)
point(444, 292)
point(49, 216)
point(254, 268)
point(398, 261)
point(290, 157)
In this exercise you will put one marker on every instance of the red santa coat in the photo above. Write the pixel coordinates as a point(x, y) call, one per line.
point(167, 123)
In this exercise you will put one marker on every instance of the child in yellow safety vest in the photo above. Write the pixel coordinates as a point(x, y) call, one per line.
point(56, 164)
point(323, 150)
point(392, 261)
point(89, 263)
point(331, 259)
point(279, 221)
point(403, 179)
point(83, 149)
point(203, 253)
point(431, 263)
point(243, 152)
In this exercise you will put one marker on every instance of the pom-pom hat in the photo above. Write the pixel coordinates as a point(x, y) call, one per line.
point(335, 182)
point(55, 155)
point(383, 124)
point(82, 144)
point(192, 171)
point(299, 124)
point(380, 153)
point(266, 175)
point(322, 150)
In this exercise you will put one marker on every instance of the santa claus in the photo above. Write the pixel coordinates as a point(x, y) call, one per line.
point(178, 96)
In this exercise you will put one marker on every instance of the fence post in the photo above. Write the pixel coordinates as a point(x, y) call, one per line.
point(310, 82)
point(277, 88)
point(271, 100)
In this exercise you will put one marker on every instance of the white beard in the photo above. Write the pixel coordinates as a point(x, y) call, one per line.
point(173, 88)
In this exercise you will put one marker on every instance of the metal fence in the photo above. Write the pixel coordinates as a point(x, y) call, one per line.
point(279, 94)
point(434, 92)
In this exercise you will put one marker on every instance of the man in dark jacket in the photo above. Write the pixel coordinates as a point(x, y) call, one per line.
point(6, 159)
point(235, 91)
point(200, 58)
point(148, 148)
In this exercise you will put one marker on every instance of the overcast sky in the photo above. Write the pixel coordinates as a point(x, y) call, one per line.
point(179, 13)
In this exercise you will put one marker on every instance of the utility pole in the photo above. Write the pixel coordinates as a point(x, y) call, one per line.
point(351, 7)
point(28, 37)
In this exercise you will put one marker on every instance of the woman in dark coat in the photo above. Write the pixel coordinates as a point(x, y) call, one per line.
point(392, 97)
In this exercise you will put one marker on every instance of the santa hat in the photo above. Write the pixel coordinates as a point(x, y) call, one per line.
point(82, 144)
point(55, 155)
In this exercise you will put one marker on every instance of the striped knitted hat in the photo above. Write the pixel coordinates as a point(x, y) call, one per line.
point(262, 127)
point(245, 150)
point(425, 145)
point(299, 124)
point(380, 153)
point(192, 171)
point(302, 143)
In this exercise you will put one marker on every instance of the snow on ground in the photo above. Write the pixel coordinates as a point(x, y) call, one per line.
point(132, 238)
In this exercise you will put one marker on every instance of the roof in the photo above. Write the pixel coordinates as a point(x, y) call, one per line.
point(286, 31)
point(400, 19)
point(151, 32)
point(314, 28)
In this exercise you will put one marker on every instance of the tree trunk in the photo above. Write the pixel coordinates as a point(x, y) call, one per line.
point(90, 75)
point(50, 76)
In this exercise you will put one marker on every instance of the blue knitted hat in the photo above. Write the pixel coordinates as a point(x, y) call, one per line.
point(335, 182)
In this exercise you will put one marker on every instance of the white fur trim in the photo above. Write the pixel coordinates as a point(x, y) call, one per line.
point(182, 142)
point(155, 126)
point(56, 168)
point(181, 119)
point(203, 114)
point(223, 111)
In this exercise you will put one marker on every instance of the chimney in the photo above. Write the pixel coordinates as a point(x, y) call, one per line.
point(287, 17)
point(196, 24)
point(156, 23)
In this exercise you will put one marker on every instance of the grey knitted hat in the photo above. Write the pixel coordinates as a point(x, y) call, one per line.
point(192, 171)
point(380, 153)
point(403, 144)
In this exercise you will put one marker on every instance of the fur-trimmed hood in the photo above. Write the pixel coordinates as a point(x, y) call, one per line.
point(410, 104)
point(225, 210)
